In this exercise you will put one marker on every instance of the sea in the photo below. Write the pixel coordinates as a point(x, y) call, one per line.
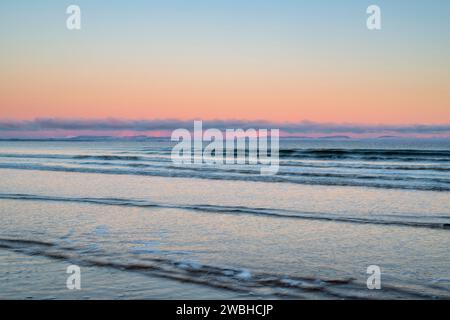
point(140, 227)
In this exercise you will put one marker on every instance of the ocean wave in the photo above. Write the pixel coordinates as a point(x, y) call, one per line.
point(75, 157)
point(366, 165)
point(320, 154)
point(213, 173)
point(410, 169)
point(234, 279)
point(366, 152)
point(381, 219)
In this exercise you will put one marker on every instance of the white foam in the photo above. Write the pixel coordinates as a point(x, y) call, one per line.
point(244, 274)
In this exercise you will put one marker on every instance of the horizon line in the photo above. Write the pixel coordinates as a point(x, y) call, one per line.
point(70, 127)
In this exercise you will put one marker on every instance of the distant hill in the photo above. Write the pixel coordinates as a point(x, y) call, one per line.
point(335, 137)
point(388, 137)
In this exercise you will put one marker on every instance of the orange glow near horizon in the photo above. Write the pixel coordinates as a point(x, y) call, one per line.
point(254, 95)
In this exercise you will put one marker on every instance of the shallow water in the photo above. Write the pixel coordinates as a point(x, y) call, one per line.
point(141, 228)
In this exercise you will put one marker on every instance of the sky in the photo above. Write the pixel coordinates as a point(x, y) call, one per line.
point(277, 61)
